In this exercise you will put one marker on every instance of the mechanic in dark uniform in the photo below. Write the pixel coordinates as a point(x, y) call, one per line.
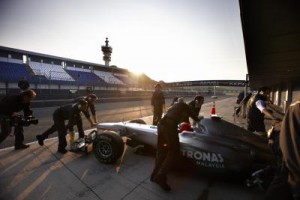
point(23, 84)
point(168, 147)
point(286, 183)
point(195, 105)
point(175, 100)
point(290, 147)
point(91, 99)
point(10, 107)
point(158, 103)
point(71, 113)
point(257, 109)
point(240, 97)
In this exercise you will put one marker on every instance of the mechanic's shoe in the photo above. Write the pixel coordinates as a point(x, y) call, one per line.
point(162, 183)
point(40, 140)
point(21, 146)
point(62, 151)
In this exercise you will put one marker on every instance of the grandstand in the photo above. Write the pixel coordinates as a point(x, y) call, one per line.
point(85, 77)
point(108, 77)
point(50, 71)
point(126, 79)
point(12, 70)
point(57, 79)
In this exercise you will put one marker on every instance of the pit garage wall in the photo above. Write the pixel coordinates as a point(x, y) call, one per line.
point(285, 94)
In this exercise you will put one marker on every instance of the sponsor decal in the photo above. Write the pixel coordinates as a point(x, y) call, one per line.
point(205, 159)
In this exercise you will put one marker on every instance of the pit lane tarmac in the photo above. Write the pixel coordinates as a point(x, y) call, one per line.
point(41, 173)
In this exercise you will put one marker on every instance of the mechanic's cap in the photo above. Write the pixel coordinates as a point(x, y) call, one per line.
point(199, 98)
point(175, 99)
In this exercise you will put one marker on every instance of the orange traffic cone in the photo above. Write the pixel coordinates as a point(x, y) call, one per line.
point(213, 109)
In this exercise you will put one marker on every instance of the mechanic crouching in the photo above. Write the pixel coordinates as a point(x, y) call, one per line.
point(10, 106)
point(168, 147)
point(71, 113)
point(91, 100)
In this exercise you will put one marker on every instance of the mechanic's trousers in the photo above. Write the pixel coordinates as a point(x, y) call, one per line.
point(279, 187)
point(256, 125)
point(59, 125)
point(157, 114)
point(168, 148)
point(53, 128)
point(6, 129)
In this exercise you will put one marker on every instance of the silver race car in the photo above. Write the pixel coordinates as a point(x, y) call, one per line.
point(212, 145)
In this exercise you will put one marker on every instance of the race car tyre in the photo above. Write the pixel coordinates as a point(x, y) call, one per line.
point(138, 121)
point(108, 147)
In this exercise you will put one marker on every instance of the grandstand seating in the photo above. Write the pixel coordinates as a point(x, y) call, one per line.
point(85, 77)
point(108, 77)
point(52, 81)
point(13, 71)
point(125, 78)
point(50, 71)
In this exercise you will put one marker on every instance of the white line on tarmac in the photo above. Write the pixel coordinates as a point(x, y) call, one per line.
point(12, 147)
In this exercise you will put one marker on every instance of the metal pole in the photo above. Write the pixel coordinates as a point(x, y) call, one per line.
point(214, 90)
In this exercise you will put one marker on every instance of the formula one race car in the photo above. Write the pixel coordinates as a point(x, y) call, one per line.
point(212, 145)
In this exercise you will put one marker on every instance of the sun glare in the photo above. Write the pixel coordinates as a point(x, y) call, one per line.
point(136, 71)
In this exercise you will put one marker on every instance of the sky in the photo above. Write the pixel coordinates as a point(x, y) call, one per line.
point(168, 40)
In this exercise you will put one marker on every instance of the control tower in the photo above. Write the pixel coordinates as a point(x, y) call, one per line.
point(107, 50)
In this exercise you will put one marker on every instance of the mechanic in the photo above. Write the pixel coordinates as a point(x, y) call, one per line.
point(158, 103)
point(91, 99)
point(23, 84)
point(241, 106)
point(240, 97)
point(290, 147)
point(195, 105)
point(286, 183)
point(168, 147)
point(89, 90)
point(257, 109)
point(10, 106)
point(71, 113)
point(175, 100)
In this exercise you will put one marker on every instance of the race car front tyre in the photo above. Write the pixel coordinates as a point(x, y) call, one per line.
point(108, 147)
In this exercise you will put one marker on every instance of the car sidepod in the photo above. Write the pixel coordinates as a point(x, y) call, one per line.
point(210, 155)
point(221, 147)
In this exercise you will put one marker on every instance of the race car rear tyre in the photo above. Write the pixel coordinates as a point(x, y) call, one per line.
point(138, 121)
point(108, 147)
